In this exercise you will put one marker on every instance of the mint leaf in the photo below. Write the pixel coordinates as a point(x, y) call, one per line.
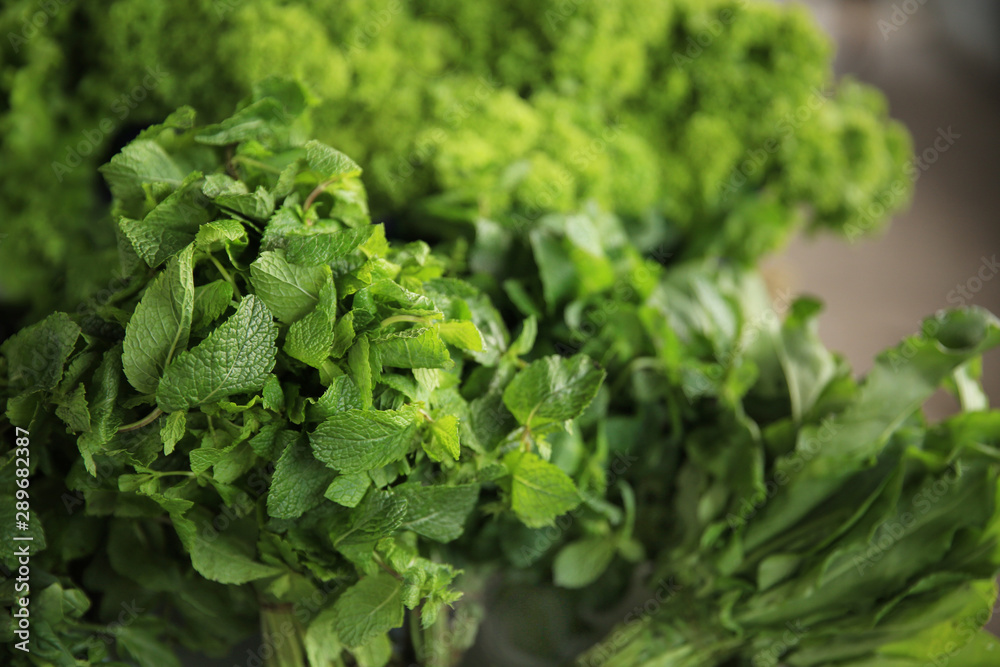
point(341, 395)
point(73, 409)
point(173, 429)
point(413, 348)
point(359, 362)
point(539, 491)
point(371, 607)
point(170, 227)
point(229, 235)
point(329, 161)
point(348, 490)
point(140, 162)
point(359, 440)
point(553, 389)
point(311, 249)
point(461, 334)
point(580, 563)
point(310, 339)
point(438, 512)
point(210, 301)
point(220, 556)
point(444, 441)
point(289, 291)
point(235, 358)
point(160, 326)
point(298, 483)
point(37, 354)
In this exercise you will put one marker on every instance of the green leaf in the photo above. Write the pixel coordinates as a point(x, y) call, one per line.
point(808, 366)
point(170, 227)
point(161, 324)
point(341, 395)
point(229, 235)
point(359, 440)
point(328, 161)
point(289, 291)
point(580, 563)
point(553, 389)
point(438, 512)
point(235, 358)
point(369, 608)
point(298, 483)
point(540, 491)
point(274, 397)
point(413, 348)
point(311, 339)
point(74, 411)
point(462, 334)
point(348, 490)
point(104, 419)
point(312, 249)
point(37, 354)
point(220, 556)
point(173, 429)
point(142, 644)
point(210, 301)
point(359, 361)
point(140, 162)
point(444, 439)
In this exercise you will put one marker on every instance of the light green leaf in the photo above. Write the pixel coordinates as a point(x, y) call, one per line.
point(553, 389)
point(289, 290)
point(540, 491)
point(312, 249)
point(348, 490)
point(161, 324)
point(369, 608)
point(359, 361)
point(462, 334)
point(359, 440)
point(328, 161)
point(228, 235)
point(310, 339)
point(580, 563)
point(413, 348)
point(140, 162)
point(235, 358)
point(173, 430)
point(444, 439)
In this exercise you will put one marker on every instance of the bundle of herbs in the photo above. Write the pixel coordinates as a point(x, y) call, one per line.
point(282, 422)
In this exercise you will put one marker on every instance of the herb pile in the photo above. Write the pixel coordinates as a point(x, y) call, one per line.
point(280, 411)
point(285, 423)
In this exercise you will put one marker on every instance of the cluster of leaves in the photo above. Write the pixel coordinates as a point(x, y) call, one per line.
point(280, 414)
point(706, 124)
point(809, 519)
point(283, 418)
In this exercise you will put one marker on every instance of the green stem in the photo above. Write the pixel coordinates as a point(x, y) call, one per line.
point(226, 275)
point(145, 421)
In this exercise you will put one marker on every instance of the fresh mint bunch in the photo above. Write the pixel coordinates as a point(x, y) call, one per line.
point(281, 420)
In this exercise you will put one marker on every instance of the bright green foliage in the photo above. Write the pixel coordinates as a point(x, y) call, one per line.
point(275, 409)
point(710, 125)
